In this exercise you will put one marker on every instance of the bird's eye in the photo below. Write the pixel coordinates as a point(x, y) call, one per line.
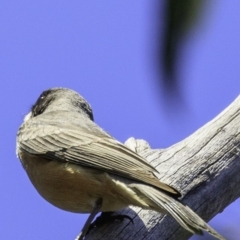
point(41, 104)
point(44, 94)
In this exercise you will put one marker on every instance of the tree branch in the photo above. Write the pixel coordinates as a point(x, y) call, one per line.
point(204, 168)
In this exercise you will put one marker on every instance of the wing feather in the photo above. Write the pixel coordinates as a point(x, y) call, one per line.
point(71, 143)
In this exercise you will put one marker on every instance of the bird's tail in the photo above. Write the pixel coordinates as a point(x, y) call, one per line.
point(183, 214)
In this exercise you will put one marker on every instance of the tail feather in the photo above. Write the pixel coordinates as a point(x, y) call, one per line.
point(183, 214)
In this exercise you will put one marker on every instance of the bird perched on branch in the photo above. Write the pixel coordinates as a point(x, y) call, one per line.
point(78, 167)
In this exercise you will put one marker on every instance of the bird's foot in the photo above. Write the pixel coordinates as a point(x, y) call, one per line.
point(107, 217)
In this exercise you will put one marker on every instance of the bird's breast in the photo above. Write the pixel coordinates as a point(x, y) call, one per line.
point(72, 187)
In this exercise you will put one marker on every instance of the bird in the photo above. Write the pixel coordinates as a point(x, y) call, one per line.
point(77, 166)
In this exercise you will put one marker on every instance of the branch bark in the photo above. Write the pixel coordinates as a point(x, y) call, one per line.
point(204, 168)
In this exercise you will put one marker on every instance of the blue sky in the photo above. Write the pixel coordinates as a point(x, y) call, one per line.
point(104, 50)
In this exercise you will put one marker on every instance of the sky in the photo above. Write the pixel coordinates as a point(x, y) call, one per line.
point(105, 51)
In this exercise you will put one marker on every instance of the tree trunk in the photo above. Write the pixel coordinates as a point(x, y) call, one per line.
point(204, 168)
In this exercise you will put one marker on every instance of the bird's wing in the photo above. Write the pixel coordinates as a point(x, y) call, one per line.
point(84, 147)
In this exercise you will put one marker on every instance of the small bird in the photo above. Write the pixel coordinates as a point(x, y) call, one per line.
point(77, 166)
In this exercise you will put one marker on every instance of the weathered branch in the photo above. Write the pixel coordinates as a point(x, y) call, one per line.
point(204, 168)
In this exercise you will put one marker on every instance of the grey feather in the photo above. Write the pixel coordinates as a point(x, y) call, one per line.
point(86, 145)
point(183, 214)
point(49, 135)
